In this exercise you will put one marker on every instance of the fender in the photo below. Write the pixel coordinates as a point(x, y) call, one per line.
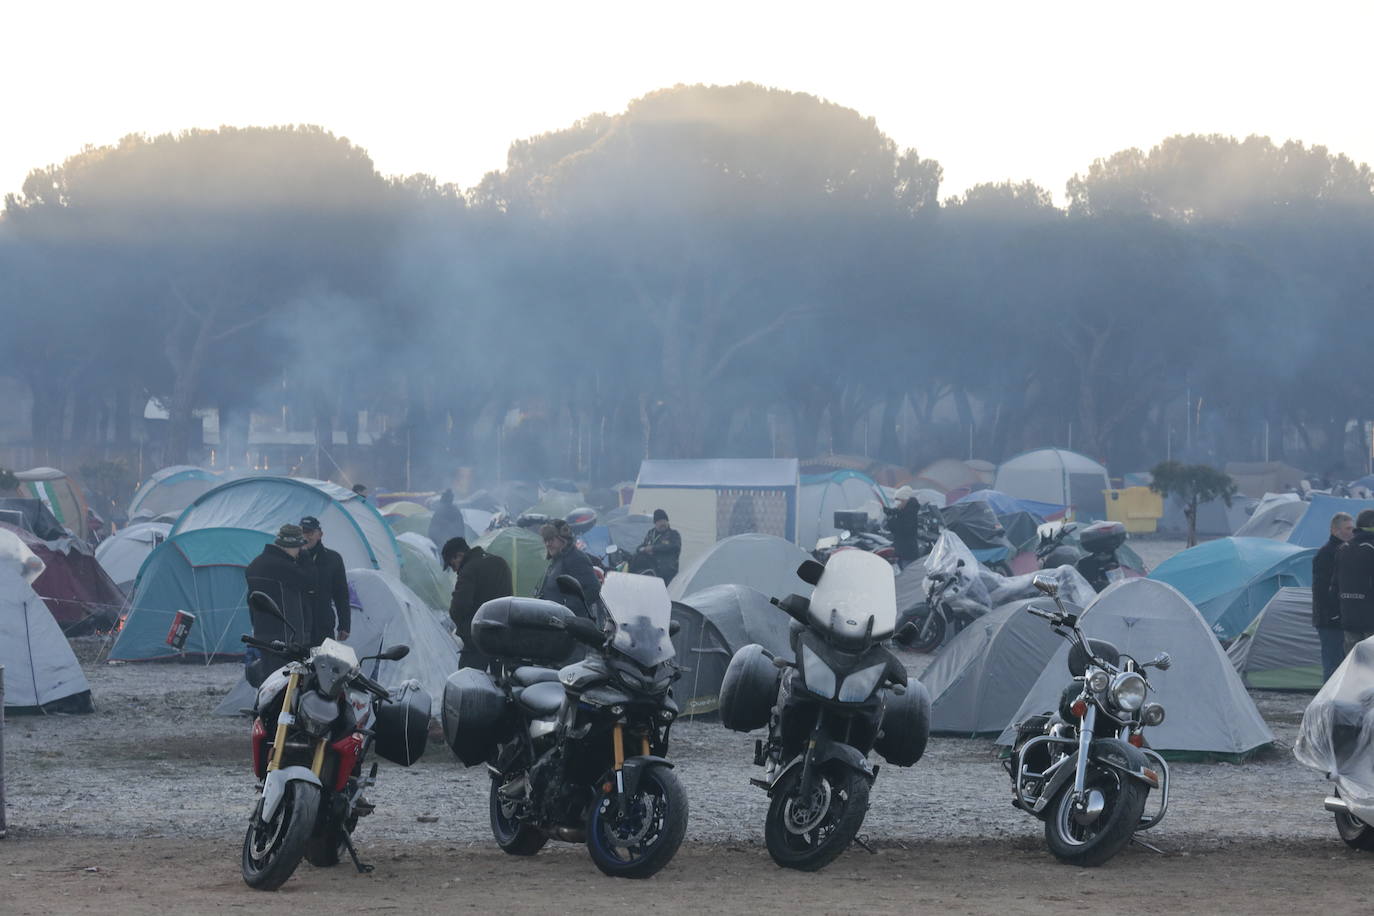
point(1127, 758)
point(632, 769)
point(274, 787)
point(826, 751)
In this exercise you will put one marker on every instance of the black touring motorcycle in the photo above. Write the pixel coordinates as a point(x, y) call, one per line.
point(841, 696)
point(1086, 770)
point(577, 753)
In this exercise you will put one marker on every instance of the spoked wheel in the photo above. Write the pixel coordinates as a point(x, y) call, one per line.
point(512, 836)
point(1090, 831)
point(1355, 832)
point(272, 850)
point(809, 833)
point(930, 633)
point(639, 842)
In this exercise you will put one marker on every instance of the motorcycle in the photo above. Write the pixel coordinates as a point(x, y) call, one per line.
point(859, 539)
point(316, 720)
point(1086, 770)
point(577, 754)
point(1091, 549)
point(841, 696)
point(955, 597)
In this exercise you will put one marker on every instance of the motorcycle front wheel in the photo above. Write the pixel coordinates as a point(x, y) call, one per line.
point(639, 842)
point(930, 633)
point(809, 833)
point(272, 850)
point(1086, 845)
point(1355, 832)
point(512, 836)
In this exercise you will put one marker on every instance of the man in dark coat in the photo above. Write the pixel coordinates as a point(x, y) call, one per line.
point(277, 573)
point(661, 548)
point(332, 611)
point(566, 560)
point(1355, 579)
point(1326, 599)
point(903, 523)
point(482, 576)
point(447, 521)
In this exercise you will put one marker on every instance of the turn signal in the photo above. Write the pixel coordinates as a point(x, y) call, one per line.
point(1137, 739)
point(1079, 708)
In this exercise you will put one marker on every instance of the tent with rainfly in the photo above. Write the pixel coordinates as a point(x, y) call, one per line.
point(423, 571)
point(78, 592)
point(200, 572)
point(1274, 518)
point(1208, 711)
point(822, 495)
point(60, 494)
point(1058, 476)
point(1230, 580)
point(761, 561)
point(714, 624)
point(41, 671)
point(169, 491)
point(121, 554)
point(1314, 527)
point(1280, 650)
point(523, 551)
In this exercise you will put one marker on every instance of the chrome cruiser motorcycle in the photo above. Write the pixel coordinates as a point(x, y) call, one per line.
point(843, 696)
point(579, 753)
point(316, 720)
point(1086, 770)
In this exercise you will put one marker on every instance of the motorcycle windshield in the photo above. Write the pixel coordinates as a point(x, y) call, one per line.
point(857, 594)
point(641, 610)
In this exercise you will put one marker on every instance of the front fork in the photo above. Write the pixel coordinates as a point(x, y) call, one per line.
point(1085, 740)
point(618, 754)
point(284, 722)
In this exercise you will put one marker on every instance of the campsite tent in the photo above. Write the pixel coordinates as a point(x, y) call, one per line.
point(949, 474)
point(978, 527)
point(423, 572)
point(1002, 504)
point(523, 551)
point(709, 500)
point(1280, 650)
point(1208, 710)
point(31, 515)
point(715, 623)
point(351, 524)
point(1256, 478)
point(60, 494)
point(1230, 580)
point(1274, 519)
point(822, 495)
point(760, 561)
point(75, 588)
point(1056, 475)
point(41, 671)
point(1214, 518)
point(122, 554)
point(200, 572)
point(169, 491)
point(1314, 527)
point(980, 677)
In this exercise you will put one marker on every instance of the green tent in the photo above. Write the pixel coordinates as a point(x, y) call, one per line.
point(417, 523)
point(1280, 650)
point(421, 572)
point(556, 504)
point(524, 551)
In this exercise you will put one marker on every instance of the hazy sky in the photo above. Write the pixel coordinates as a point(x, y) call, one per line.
point(992, 90)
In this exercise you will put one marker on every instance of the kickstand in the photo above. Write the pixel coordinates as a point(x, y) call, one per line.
point(863, 841)
point(1149, 846)
point(353, 854)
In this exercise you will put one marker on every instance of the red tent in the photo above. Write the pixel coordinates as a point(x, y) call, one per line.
point(77, 591)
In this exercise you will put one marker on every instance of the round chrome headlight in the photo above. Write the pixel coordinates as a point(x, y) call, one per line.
point(1128, 691)
point(1098, 680)
point(1152, 714)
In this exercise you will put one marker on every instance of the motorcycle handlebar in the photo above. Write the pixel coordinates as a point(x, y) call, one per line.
point(1048, 615)
point(372, 686)
point(275, 645)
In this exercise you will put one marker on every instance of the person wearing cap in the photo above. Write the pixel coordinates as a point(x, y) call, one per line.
point(482, 576)
point(332, 613)
point(566, 560)
point(903, 523)
point(277, 573)
point(661, 549)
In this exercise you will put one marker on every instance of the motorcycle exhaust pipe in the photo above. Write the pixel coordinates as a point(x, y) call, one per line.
point(1336, 805)
point(570, 834)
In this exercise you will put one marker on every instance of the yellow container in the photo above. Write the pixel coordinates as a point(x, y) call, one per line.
point(1138, 508)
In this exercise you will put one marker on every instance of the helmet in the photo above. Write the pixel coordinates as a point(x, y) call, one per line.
point(581, 520)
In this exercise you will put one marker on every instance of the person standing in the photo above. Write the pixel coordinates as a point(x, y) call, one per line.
point(1355, 579)
point(661, 548)
point(277, 573)
point(566, 560)
point(482, 576)
point(903, 523)
point(332, 612)
point(447, 521)
point(1326, 598)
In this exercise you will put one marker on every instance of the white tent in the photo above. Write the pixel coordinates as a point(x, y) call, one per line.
point(1206, 707)
point(760, 561)
point(713, 499)
point(41, 671)
point(822, 495)
point(1274, 518)
point(121, 554)
point(1056, 475)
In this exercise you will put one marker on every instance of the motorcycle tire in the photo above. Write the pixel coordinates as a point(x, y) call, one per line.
point(513, 837)
point(929, 638)
point(829, 834)
point(272, 851)
point(1095, 843)
point(1354, 832)
point(650, 846)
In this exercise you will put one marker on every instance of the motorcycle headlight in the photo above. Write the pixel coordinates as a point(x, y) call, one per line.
point(1098, 680)
point(817, 674)
point(315, 713)
point(1152, 714)
point(1128, 691)
point(860, 684)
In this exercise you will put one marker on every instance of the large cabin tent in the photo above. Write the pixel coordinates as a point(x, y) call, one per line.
point(1059, 476)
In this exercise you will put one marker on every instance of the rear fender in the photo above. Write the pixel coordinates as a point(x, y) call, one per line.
point(274, 787)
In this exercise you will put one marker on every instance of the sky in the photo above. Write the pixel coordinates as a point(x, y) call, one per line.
point(993, 90)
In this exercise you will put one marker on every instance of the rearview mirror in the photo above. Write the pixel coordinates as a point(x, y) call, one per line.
point(1162, 661)
point(394, 654)
point(1046, 585)
point(810, 572)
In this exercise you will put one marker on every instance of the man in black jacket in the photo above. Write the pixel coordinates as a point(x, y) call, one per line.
point(903, 523)
point(661, 548)
point(566, 560)
point(1355, 579)
point(482, 576)
point(277, 573)
point(332, 613)
point(1326, 599)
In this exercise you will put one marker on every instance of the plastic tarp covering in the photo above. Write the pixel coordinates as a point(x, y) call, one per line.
point(822, 495)
point(1274, 520)
point(523, 552)
point(1230, 580)
point(1207, 708)
point(351, 525)
point(970, 590)
point(422, 572)
point(980, 677)
point(41, 672)
point(171, 490)
point(977, 526)
point(761, 561)
point(121, 554)
point(1337, 733)
point(1073, 588)
point(1058, 476)
point(716, 623)
point(1003, 504)
point(1315, 526)
point(1280, 650)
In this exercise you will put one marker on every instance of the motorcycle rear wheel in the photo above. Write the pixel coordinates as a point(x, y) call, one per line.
point(272, 851)
point(640, 843)
point(513, 837)
point(1354, 832)
point(1090, 845)
point(830, 833)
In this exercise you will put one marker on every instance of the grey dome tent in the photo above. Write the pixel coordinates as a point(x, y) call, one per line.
point(1274, 519)
point(1207, 709)
point(716, 623)
point(1280, 650)
point(981, 675)
point(760, 561)
point(41, 671)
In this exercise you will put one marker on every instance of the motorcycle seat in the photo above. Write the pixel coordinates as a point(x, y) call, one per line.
point(526, 675)
point(542, 699)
